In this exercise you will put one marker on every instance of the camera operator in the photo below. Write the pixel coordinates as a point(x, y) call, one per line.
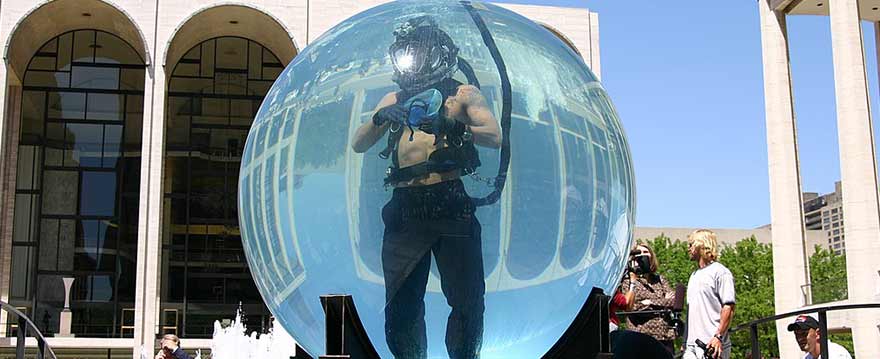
point(646, 290)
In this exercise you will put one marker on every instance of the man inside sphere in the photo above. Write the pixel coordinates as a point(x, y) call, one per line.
point(429, 211)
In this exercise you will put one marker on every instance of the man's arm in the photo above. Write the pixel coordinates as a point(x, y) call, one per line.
point(481, 121)
point(726, 318)
point(367, 135)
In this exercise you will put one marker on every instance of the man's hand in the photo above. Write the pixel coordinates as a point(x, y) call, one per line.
point(646, 302)
point(392, 113)
point(715, 345)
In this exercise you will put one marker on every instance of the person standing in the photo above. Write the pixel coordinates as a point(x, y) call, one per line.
point(711, 299)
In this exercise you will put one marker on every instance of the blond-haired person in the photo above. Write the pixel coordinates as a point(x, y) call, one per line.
point(711, 298)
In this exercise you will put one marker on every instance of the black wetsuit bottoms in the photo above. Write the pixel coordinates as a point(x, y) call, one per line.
point(419, 221)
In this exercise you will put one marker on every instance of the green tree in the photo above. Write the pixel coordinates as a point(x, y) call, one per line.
point(828, 276)
point(752, 266)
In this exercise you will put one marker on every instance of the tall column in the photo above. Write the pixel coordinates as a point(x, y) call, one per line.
point(10, 108)
point(858, 171)
point(150, 214)
point(786, 205)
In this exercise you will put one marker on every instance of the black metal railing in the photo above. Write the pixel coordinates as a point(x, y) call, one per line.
point(822, 312)
point(25, 326)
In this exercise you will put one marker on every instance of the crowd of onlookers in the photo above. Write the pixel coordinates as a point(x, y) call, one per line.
point(649, 303)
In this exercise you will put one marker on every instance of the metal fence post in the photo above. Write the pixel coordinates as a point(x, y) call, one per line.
point(22, 336)
point(756, 345)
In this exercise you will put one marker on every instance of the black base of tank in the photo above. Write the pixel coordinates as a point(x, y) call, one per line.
point(586, 337)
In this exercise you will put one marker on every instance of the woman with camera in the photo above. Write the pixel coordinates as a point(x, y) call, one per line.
point(645, 290)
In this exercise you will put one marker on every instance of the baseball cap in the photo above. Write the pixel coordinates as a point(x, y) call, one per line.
point(803, 322)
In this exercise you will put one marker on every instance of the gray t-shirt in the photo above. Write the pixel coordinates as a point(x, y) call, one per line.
point(708, 290)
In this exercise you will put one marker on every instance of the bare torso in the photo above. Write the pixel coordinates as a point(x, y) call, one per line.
point(418, 150)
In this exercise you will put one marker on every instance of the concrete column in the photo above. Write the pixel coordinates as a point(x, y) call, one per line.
point(10, 107)
point(858, 171)
point(150, 214)
point(790, 271)
point(595, 65)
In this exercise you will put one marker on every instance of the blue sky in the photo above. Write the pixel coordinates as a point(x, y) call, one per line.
point(688, 86)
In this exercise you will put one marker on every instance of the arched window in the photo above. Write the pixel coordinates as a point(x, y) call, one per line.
point(77, 183)
point(214, 92)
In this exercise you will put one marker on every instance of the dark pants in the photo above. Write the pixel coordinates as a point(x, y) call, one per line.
point(419, 221)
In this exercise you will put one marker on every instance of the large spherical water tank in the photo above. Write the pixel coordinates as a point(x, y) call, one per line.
point(311, 207)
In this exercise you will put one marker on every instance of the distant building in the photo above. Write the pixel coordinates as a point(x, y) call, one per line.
point(726, 236)
point(825, 213)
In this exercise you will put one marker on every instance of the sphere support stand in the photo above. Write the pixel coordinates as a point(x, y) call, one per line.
point(586, 337)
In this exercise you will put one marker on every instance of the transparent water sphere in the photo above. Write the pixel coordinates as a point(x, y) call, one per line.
point(507, 278)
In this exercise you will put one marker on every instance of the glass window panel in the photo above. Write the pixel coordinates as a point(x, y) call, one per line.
point(55, 143)
point(95, 77)
point(22, 270)
point(112, 145)
point(54, 157)
point(230, 83)
point(50, 46)
point(208, 58)
point(178, 122)
point(241, 112)
point(66, 244)
point(259, 88)
point(231, 53)
point(200, 139)
point(26, 172)
point(49, 244)
point(102, 289)
point(186, 69)
point(42, 63)
point(531, 167)
point(255, 60)
point(275, 129)
point(25, 217)
point(65, 43)
point(84, 145)
point(134, 121)
point(111, 49)
point(67, 105)
point(213, 111)
point(98, 195)
point(269, 57)
point(47, 79)
point(132, 178)
point(33, 106)
point(107, 107)
point(83, 46)
point(59, 192)
point(189, 85)
point(271, 72)
point(131, 79)
point(289, 123)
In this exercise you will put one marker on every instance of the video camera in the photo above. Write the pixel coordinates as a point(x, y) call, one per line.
point(638, 263)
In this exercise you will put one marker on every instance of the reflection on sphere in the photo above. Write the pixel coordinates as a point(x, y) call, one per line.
point(318, 218)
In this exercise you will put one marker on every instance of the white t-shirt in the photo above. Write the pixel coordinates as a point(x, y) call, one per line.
point(708, 290)
point(835, 351)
